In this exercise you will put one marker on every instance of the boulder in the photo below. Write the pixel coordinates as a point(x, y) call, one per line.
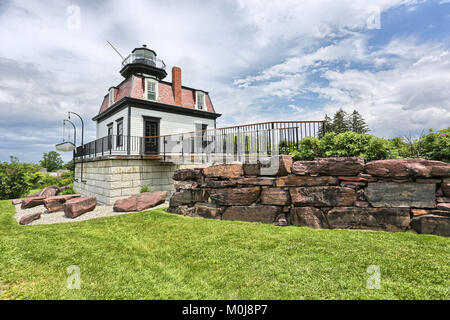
point(305, 181)
point(140, 201)
point(346, 166)
point(30, 218)
point(265, 214)
point(432, 224)
point(280, 165)
point(235, 196)
point(275, 196)
point(224, 171)
point(30, 202)
point(185, 185)
point(50, 191)
point(443, 206)
point(308, 217)
point(418, 168)
point(443, 199)
point(16, 201)
point(391, 194)
point(445, 187)
point(388, 219)
point(56, 203)
point(182, 209)
point(187, 174)
point(360, 178)
point(256, 181)
point(219, 183)
point(208, 210)
point(252, 169)
point(182, 197)
point(329, 196)
point(78, 206)
point(419, 212)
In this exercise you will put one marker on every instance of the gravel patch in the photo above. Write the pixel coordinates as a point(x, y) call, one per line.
point(100, 211)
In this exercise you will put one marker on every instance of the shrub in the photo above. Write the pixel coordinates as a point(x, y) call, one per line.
point(71, 190)
point(145, 188)
point(14, 181)
point(308, 149)
point(435, 145)
point(346, 144)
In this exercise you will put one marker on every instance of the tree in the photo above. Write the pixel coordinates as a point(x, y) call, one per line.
point(51, 161)
point(340, 122)
point(357, 123)
point(343, 122)
point(70, 165)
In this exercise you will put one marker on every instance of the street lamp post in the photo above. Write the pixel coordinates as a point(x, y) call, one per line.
point(74, 142)
point(82, 143)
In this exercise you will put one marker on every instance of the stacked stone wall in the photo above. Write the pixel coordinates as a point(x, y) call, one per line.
point(391, 195)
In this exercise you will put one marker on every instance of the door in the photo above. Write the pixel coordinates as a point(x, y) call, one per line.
point(151, 129)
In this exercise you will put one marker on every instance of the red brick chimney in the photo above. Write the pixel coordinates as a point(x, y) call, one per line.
point(176, 85)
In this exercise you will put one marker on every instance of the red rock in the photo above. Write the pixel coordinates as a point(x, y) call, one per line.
point(349, 166)
point(275, 196)
point(208, 210)
point(256, 181)
point(219, 183)
point(305, 181)
point(432, 224)
point(265, 214)
point(354, 185)
point(56, 203)
point(389, 219)
point(179, 198)
point(419, 212)
point(30, 218)
point(78, 206)
point(140, 201)
point(361, 204)
point(419, 168)
point(445, 187)
point(443, 199)
point(356, 179)
point(252, 169)
point(187, 174)
point(185, 185)
point(50, 191)
point(31, 202)
point(443, 206)
point(235, 196)
point(16, 201)
point(308, 217)
point(428, 180)
point(224, 171)
point(329, 196)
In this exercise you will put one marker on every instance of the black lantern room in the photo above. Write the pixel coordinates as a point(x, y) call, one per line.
point(143, 61)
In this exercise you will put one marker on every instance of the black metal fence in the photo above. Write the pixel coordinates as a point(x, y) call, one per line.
point(220, 144)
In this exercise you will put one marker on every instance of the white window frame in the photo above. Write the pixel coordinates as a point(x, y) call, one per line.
point(196, 100)
point(111, 97)
point(147, 80)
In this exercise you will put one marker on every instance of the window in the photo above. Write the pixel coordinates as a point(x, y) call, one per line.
point(200, 100)
point(119, 133)
point(110, 134)
point(111, 96)
point(151, 90)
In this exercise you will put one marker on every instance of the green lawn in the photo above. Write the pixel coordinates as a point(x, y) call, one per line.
point(156, 255)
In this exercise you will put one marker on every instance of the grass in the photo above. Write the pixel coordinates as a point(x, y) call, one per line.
point(156, 255)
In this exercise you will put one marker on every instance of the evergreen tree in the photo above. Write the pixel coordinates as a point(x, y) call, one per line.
point(326, 126)
point(357, 123)
point(340, 122)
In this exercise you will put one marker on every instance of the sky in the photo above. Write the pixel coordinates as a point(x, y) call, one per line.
point(259, 61)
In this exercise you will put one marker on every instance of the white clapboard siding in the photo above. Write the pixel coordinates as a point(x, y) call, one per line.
point(170, 123)
point(102, 126)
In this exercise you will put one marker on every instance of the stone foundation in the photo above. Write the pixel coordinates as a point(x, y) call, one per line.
point(346, 193)
point(110, 180)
